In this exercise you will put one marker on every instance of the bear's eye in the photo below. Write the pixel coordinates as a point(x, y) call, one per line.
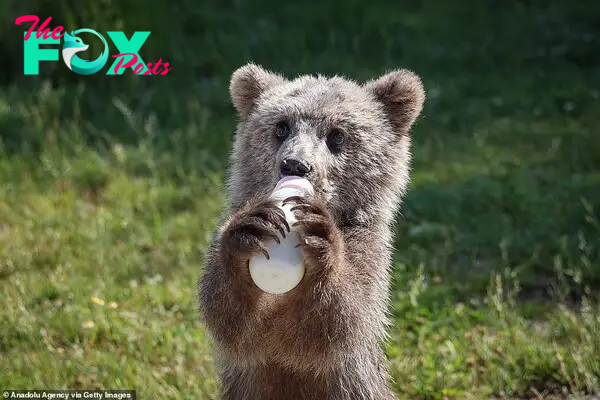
point(335, 140)
point(282, 130)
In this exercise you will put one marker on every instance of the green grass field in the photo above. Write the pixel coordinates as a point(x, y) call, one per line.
point(110, 187)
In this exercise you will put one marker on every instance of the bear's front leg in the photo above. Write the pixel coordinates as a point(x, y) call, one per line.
point(322, 322)
point(235, 310)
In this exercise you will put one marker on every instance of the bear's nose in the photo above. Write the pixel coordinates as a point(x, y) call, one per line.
point(290, 166)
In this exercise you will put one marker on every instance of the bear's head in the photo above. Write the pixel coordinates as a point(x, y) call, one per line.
point(350, 140)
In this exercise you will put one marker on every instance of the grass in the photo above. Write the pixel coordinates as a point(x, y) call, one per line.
point(112, 185)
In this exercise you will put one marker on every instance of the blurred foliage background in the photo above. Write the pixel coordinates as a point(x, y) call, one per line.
point(111, 185)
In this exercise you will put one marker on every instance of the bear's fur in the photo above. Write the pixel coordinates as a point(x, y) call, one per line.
point(322, 340)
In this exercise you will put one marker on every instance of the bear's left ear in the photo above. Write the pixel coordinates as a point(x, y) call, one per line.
point(247, 84)
point(402, 94)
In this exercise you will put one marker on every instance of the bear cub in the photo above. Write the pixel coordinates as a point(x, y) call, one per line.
point(323, 339)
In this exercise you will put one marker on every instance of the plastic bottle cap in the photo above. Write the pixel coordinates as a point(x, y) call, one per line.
point(295, 182)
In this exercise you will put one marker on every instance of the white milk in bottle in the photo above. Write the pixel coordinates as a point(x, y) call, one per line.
point(284, 269)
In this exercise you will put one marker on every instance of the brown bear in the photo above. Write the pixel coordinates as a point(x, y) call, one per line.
point(323, 339)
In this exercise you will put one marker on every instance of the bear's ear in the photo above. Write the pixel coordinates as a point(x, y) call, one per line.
point(247, 84)
point(402, 94)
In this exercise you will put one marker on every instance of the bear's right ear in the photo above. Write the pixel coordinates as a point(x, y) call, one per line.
point(247, 84)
